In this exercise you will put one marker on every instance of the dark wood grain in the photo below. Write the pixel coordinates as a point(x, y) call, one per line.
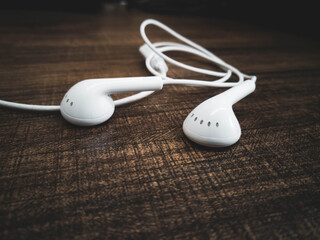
point(137, 176)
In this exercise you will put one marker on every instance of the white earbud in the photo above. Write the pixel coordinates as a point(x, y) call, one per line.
point(88, 103)
point(213, 122)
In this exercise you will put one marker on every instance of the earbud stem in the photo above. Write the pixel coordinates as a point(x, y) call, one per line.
point(236, 93)
point(131, 84)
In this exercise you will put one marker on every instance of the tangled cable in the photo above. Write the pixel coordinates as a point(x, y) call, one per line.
point(156, 64)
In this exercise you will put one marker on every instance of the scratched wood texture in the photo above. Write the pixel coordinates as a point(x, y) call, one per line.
point(137, 176)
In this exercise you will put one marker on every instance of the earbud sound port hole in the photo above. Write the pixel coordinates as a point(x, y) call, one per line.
point(196, 119)
point(217, 124)
point(192, 115)
point(67, 100)
point(201, 121)
point(209, 123)
point(71, 103)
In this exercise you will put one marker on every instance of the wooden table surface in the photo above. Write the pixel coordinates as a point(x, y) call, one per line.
point(137, 176)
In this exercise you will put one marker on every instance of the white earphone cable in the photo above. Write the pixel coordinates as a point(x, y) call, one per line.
point(158, 49)
point(29, 107)
point(193, 48)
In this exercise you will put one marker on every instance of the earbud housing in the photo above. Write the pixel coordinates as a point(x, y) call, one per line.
point(88, 103)
point(213, 122)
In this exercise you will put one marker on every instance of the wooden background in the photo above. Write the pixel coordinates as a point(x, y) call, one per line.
point(137, 176)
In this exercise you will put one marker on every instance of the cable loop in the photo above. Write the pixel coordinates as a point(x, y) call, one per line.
point(158, 50)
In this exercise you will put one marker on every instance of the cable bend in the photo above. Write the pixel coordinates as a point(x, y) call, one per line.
point(157, 50)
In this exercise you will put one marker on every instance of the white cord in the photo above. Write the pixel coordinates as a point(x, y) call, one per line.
point(30, 107)
point(155, 64)
point(193, 48)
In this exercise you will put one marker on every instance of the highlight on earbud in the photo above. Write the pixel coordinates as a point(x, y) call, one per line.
point(88, 103)
point(213, 122)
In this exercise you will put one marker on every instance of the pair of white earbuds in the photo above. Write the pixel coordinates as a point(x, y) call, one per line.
point(212, 123)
